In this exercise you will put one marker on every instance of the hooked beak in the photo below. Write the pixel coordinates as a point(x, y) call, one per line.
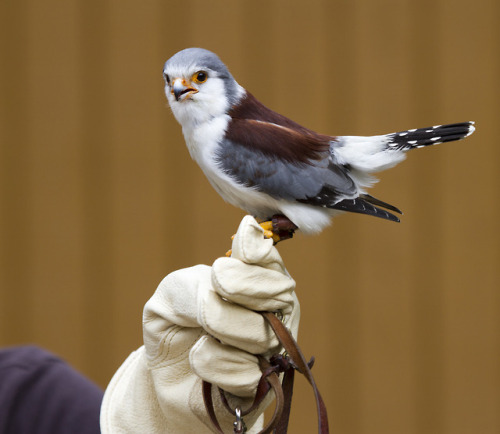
point(181, 87)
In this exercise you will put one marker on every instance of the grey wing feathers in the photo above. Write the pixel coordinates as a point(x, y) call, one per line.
point(321, 184)
point(284, 180)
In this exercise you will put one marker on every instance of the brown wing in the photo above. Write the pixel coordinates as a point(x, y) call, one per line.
point(255, 126)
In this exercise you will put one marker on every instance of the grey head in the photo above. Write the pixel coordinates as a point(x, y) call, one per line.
point(200, 59)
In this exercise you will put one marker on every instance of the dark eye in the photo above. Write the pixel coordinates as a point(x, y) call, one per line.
point(200, 77)
point(167, 78)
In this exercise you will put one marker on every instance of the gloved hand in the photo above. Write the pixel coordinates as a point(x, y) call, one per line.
point(201, 324)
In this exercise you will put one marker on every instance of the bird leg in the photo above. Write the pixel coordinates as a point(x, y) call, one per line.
point(283, 227)
point(279, 228)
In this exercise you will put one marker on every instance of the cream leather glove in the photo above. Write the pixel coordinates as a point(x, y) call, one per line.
point(201, 324)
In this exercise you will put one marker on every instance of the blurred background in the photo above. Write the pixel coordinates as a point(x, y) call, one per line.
point(99, 199)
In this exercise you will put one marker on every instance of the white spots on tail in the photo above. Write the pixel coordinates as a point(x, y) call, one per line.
point(472, 128)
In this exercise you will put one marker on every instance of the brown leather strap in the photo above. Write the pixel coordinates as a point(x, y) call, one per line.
point(287, 386)
point(292, 348)
point(209, 405)
point(270, 376)
point(283, 392)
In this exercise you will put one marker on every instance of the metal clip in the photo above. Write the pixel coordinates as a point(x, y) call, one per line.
point(239, 424)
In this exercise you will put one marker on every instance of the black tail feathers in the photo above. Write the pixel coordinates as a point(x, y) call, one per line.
point(366, 204)
point(417, 138)
point(378, 202)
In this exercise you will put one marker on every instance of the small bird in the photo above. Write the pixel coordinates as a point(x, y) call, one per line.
point(282, 173)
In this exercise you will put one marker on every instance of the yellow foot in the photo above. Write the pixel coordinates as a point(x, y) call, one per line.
point(268, 228)
point(268, 231)
point(276, 238)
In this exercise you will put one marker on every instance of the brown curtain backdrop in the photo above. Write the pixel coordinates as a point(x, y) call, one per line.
point(99, 199)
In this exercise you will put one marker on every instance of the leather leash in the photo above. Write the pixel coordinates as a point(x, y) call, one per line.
point(278, 363)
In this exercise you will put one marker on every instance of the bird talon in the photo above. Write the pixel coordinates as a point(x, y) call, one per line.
point(267, 226)
point(278, 229)
point(229, 253)
point(268, 234)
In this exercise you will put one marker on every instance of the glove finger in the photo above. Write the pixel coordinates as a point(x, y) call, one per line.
point(250, 246)
point(233, 370)
point(252, 286)
point(235, 325)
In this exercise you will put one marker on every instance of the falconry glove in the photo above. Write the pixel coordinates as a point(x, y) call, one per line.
point(200, 325)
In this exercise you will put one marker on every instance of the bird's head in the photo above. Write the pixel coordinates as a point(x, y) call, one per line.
point(199, 86)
